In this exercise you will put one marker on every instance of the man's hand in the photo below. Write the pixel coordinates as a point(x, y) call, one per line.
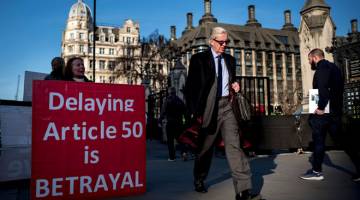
point(235, 86)
point(319, 112)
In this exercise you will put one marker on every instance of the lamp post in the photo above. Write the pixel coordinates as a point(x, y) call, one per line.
point(94, 38)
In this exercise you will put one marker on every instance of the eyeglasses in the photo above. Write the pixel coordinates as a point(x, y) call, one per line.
point(222, 42)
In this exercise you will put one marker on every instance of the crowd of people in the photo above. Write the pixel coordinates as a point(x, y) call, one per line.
point(209, 91)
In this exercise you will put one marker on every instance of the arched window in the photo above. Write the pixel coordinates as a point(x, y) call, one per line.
point(70, 48)
point(81, 48)
point(102, 38)
point(111, 39)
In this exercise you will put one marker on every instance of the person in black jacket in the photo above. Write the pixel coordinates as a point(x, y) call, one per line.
point(174, 111)
point(329, 81)
point(57, 66)
point(210, 81)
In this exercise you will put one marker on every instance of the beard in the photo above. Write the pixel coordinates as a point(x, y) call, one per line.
point(313, 65)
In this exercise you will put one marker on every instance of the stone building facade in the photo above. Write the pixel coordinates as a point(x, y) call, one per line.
point(277, 54)
point(259, 52)
point(317, 30)
point(346, 52)
point(119, 53)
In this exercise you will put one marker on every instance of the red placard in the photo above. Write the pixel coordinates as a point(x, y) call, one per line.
point(88, 140)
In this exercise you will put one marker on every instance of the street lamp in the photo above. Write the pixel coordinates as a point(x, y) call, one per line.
point(94, 38)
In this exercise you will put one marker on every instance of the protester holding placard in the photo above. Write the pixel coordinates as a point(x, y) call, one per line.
point(75, 70)
point(88, 140)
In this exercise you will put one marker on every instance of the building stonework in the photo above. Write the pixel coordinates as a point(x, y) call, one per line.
point(118, 53)
point(346, 51)
point(317, 30)
point(278, 54)
point(259, 52)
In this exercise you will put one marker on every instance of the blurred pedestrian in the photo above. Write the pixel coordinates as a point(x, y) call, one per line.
point(57, 67)
point(174, 112)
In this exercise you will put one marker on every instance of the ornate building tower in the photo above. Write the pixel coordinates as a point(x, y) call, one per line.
point(317, 30)
point(119, 53)
point(75, 39)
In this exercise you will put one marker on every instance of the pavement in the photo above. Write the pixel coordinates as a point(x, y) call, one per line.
point(275, 177)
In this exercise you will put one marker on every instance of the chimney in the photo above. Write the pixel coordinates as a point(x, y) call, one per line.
point(288, 25)
point(173, 32)
point(189, 18)
point(287, 15)
point(207, 5)
point(252, 20)
point(251, 10)
point(207, 17)
point(354, 26)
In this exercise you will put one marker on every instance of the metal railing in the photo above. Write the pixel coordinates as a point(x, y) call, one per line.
point(257, 91)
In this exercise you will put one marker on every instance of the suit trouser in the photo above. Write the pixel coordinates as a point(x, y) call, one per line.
point(173, 130)
point(238, 163)
point(171, 127)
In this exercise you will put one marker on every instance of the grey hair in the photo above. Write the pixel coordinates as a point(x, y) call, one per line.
point(217, 31)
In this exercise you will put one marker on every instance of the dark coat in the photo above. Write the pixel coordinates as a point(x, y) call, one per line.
point(174, 109)
point(71, 79)
point(200, 79)
point(329, 81)
point(54, 75)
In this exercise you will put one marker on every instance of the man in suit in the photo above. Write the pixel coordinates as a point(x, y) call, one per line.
point(210, 81)
point(329, 81)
